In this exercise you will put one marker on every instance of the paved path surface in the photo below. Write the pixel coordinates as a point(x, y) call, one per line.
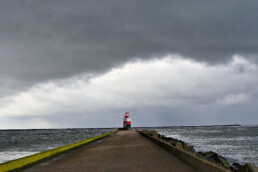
point(123, 151)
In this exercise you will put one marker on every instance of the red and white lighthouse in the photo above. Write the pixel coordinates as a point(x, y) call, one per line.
point(127, 121)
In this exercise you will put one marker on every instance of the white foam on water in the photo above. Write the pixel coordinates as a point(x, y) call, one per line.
point(242, 158)
point(20, 143)
point(11, 155)
point(177, 136)
point(209, 131)
point(237, 144)
point(233, 139)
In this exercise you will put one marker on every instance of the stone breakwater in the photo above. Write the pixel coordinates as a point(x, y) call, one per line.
point(209, 156)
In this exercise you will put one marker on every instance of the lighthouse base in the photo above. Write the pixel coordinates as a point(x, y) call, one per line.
point(127, 127)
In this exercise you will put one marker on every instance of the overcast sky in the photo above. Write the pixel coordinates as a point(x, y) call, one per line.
point(83, 63)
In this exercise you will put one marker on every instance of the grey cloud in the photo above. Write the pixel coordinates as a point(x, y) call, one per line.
point(191, 93)
point(42, 40)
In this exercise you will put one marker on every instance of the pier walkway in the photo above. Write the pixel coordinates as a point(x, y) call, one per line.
point(123, 151)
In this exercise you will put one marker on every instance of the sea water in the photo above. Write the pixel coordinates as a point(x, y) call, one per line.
point(20, 143)
point(236, 143)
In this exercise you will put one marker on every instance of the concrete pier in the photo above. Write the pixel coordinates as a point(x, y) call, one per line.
point(123, 151)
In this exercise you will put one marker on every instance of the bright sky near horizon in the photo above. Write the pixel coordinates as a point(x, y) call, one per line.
point(79, 63)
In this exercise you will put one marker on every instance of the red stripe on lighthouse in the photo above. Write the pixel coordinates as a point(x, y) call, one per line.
point(127, 121)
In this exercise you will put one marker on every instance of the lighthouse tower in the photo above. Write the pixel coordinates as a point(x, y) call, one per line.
point(127, 121)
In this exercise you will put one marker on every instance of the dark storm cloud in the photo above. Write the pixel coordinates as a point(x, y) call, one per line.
point(48, 39)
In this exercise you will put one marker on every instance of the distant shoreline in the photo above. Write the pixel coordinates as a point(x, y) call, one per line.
point(227, 125)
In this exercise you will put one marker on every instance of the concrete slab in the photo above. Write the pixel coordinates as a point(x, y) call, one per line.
point(123, 151)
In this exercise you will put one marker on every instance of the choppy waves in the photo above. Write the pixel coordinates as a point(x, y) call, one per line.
point(20, 143)
point(236, 143)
